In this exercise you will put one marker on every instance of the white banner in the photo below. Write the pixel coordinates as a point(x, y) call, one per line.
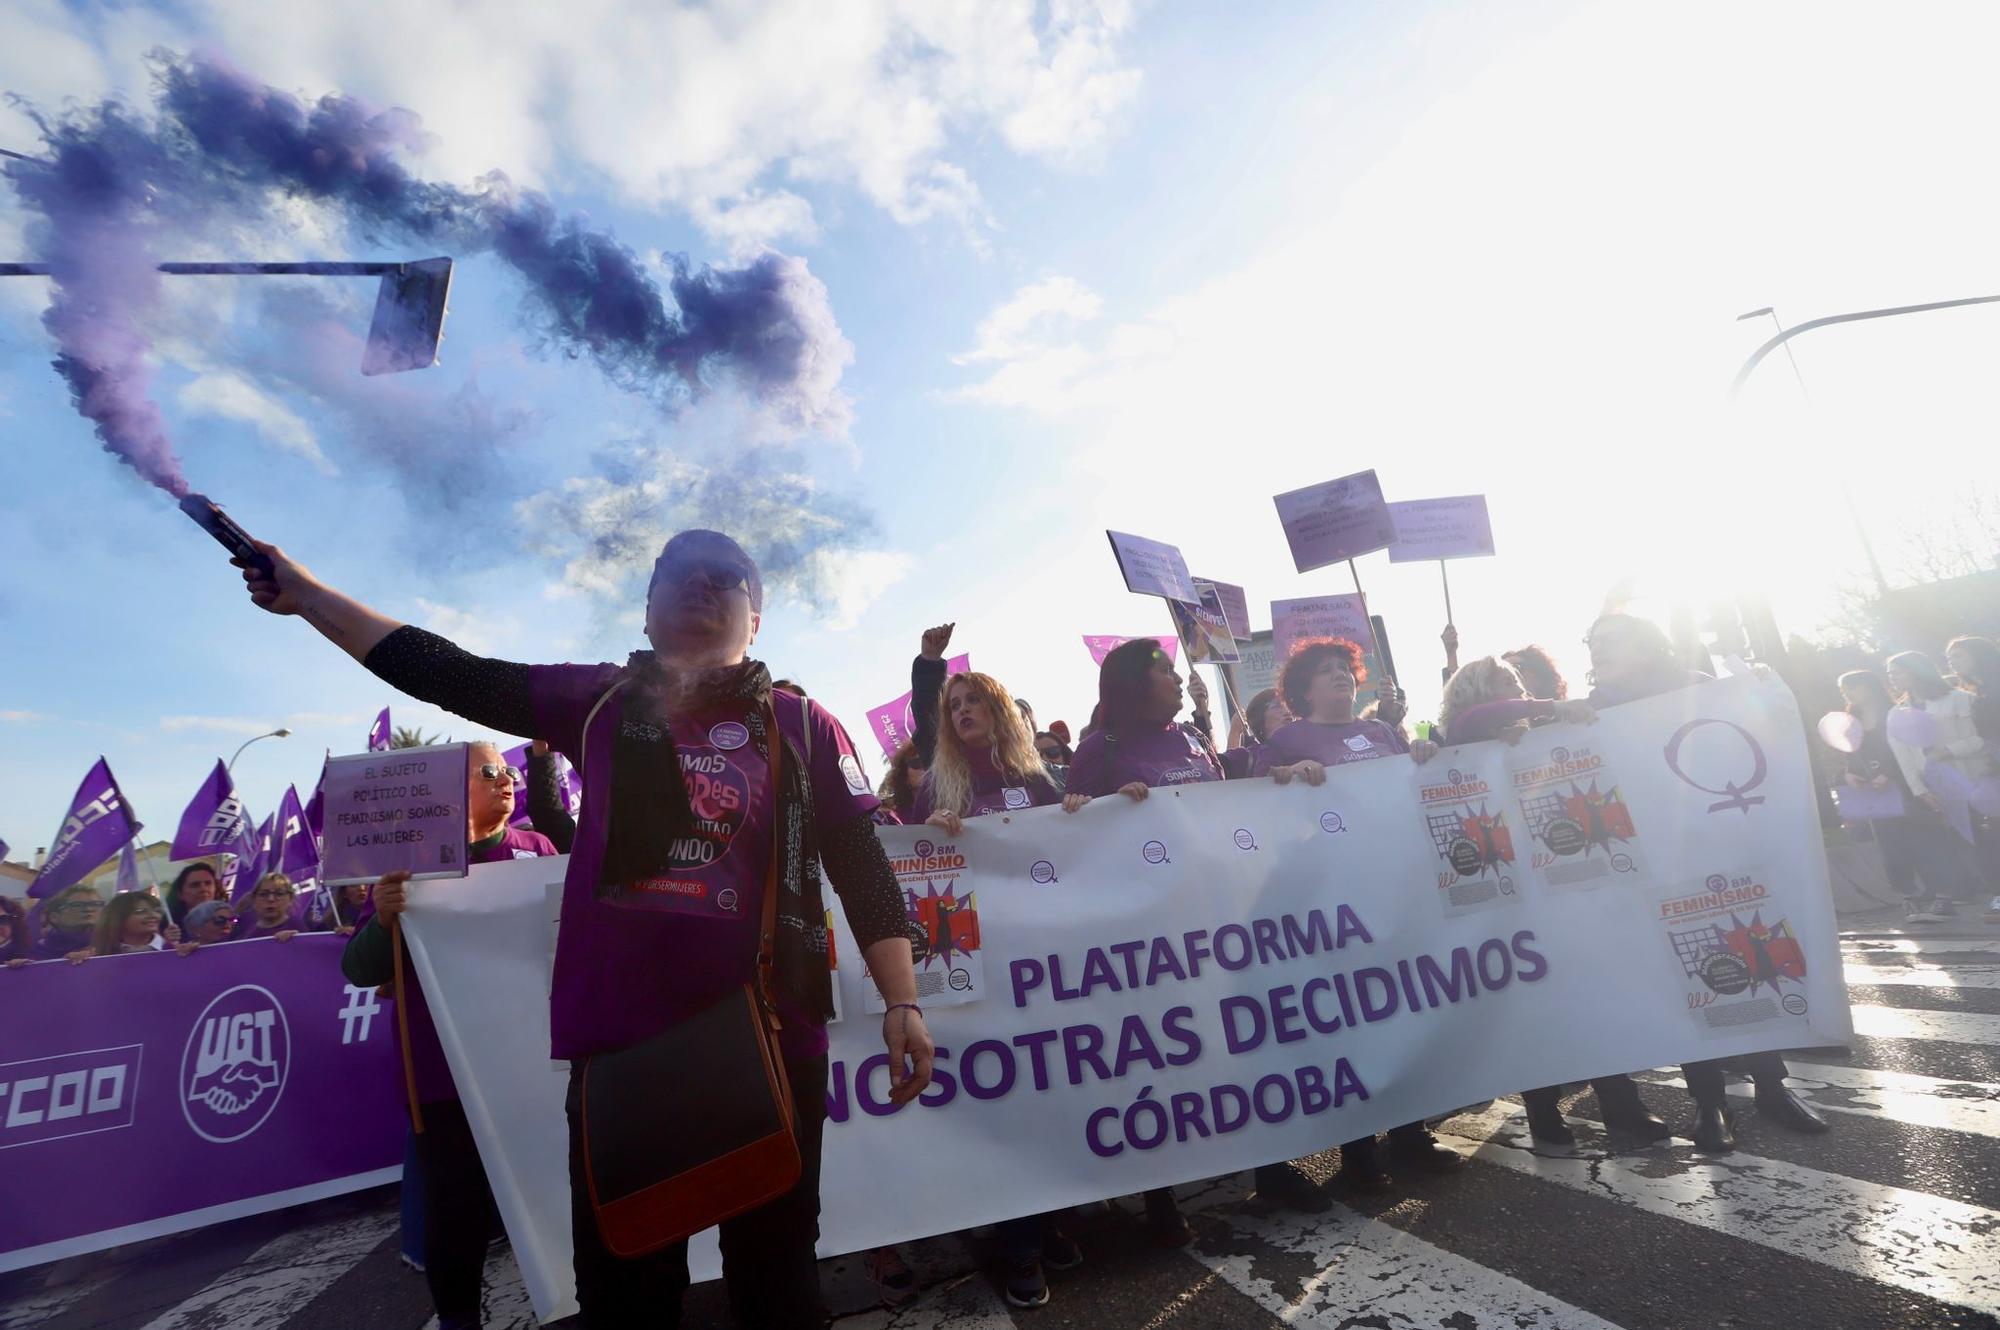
point(1226, 975)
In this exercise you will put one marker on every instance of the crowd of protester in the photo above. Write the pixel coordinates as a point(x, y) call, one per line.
point(977, 750)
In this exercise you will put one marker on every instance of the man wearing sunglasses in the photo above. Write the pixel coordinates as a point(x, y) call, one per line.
point(690, 808)
point(489, 806)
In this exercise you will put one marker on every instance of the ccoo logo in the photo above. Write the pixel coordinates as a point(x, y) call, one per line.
point(233, 1070)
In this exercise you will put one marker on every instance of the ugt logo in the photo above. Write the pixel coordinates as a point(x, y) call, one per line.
point(233, 1070)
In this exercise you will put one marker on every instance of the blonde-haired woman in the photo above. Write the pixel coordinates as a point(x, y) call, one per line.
point(131, 922)
point(986, 760)
point(1485, 699)
point(271, 904)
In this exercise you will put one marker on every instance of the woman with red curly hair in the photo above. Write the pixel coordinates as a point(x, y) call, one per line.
point(1318, 682)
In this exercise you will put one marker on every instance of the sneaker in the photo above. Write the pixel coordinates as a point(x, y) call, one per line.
point(1059, 1250)
point(891, 1275)
point(1283, 1185)
point(1993, 911)
point(1026, 1285)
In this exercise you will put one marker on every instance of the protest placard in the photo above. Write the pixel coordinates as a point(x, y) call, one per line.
point(1292, 621)
point(403, 810)
point(1454, 528)
point(1101, 645)
point(1235, 608)
point(893, 723)
point(1335, 520)
point(1153, 568)
point(1204, 629)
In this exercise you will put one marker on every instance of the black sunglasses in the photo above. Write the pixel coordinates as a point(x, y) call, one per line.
point(719, 576)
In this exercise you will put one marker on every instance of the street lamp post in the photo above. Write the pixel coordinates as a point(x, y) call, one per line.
point(1846, 490)
point(280, 733)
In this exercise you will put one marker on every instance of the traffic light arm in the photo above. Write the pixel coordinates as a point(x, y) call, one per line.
point(1757, 356)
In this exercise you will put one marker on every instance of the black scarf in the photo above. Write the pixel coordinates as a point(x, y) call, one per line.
point(650, 811)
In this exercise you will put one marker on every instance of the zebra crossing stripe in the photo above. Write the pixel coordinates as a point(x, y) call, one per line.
point(1962, 975)
point(1920, 946)
point(1951, 1027)
point(1887, 1235)
point(1893, 1096)
point(281, 1276)
point(1370, 1273)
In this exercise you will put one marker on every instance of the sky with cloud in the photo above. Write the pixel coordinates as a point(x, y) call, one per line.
point(1084, 265)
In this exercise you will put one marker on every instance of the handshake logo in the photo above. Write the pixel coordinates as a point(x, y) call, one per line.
point(233, 1071)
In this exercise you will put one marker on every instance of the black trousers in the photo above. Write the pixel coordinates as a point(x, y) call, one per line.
point(1705, 1081)
point(459, 1215)
point(768, 1260)
point(1617, 1097)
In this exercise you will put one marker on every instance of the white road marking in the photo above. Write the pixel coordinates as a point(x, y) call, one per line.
point(281, 1276)
point(1920, 946)
point(1895, 1096)
point(1965, 974)
point(1368, 1272)
point(1887, 1235)
point(1953, 1027)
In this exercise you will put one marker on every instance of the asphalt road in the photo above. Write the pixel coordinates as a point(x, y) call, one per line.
point(1891, 1220)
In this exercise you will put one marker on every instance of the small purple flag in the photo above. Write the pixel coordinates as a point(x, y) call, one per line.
point(215, 822)
point(3, 851)
point(295, 855)
point(316, 811)
point(248, 867)
point(378, 738)
point(128, 870)
point(98, 823)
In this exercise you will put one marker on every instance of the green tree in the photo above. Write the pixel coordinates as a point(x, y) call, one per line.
point(412, 736)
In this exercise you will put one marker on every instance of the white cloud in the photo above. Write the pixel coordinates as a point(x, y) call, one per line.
point(233, 397)
point(709, 108)
point(218, 724)
point(1031, 319)
point(480, 634)
point(21, 717)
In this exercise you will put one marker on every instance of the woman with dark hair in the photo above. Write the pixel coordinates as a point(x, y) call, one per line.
point(13, 933)
point(1252, 728)
point(1318, 682)
point(1538, 672)
point(1056, 754)
point(1632, 659)
point(194, 885)
point(1917, 843)
point(1976, 663)
point(1141, 743)
point(131, 922)
point(700, 785)
point(898, 790)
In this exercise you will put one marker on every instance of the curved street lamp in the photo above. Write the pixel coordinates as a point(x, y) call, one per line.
point(280, 733)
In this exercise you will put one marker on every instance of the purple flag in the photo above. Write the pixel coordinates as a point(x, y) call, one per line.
point(294, 855)
point(893, 723)
point(316, 811)
point(98, 823)
point(128, 870)
point(215, 822)
point(3, 851)
point(378, 738)
point(246, 869)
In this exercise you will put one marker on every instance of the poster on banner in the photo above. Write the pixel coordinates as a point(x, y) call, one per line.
point(1153, 568)
point(1472, 845)
point(1335, 520)
point(1454, 528)
point(1235, 608)
point(1204, 629)
point(944, 910)
point(1101, 645)
point(1293, 621)
point(894, 723)
point(1576, 819)
point(1175, 993)
point(403, 810)
point(146, 1081)
point(1736, 954)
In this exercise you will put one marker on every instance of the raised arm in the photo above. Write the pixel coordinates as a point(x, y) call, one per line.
point(926, 685)
point(493, 693)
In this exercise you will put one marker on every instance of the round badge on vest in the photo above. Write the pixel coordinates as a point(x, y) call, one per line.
point(728, 735)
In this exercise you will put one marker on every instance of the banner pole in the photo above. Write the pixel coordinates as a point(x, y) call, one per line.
point(1373, 637)
point(403, 1024)
point(1444, 574)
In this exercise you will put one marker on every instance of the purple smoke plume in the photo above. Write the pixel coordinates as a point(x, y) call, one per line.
point(224, 146)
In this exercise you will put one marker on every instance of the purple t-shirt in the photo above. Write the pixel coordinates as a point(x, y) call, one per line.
point(514, 843)
point(993, 790)
point(1329, 745)
point(1166, 756)
point(628, 968)
point(247, 927)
